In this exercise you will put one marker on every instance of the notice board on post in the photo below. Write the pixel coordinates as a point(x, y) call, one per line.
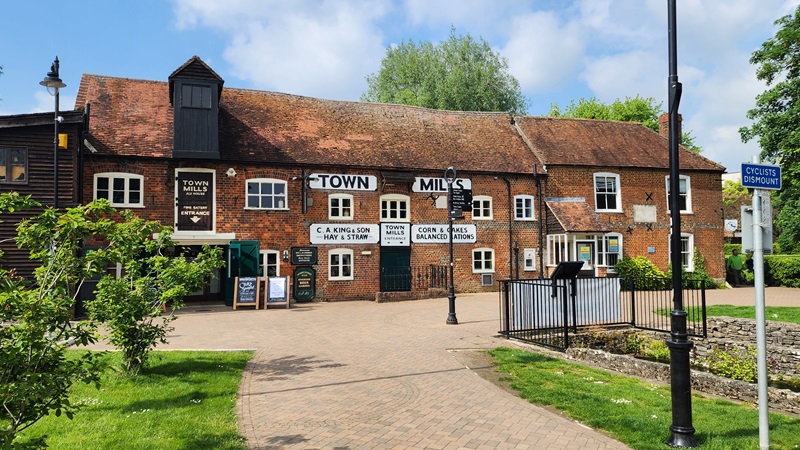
point(276, 292)
point(246, 291)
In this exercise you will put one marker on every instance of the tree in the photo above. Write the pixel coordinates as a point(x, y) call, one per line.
point(636, 109)
point(776, 119)
point(460, 74)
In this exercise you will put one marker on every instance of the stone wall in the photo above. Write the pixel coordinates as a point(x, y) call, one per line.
point(780, 399)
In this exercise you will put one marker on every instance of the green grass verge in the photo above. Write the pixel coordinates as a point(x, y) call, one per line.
point(184, 400)
point(634, 412)
point(788, 314)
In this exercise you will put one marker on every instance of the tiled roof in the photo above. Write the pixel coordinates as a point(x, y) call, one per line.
point(134, 117)
point(576, 216)
point(605, 143)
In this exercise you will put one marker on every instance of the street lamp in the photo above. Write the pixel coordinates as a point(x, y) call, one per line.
point(53, 84)
point(450, 175)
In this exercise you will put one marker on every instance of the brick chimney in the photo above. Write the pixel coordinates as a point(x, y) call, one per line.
point(663, 125)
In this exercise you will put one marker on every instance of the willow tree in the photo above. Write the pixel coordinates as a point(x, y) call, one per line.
point(459, 74)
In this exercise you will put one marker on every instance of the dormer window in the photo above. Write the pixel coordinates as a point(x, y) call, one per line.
point(195, 93)
point(195, 96)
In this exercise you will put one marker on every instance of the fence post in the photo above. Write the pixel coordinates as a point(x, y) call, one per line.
point(632, 288)
point(566, 315)
point(506, 308)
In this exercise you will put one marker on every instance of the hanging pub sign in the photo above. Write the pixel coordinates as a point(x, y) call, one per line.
point(330, 233)
point(304, 256)
point(440, 234)
point(343, 182)
point(194, 201)
point(432, 184)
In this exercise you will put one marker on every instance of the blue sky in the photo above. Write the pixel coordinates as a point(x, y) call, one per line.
point(559, 50)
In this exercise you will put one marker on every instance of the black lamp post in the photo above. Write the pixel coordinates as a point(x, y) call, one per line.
point(53, 84)
point(681, 430)
point(450, 176)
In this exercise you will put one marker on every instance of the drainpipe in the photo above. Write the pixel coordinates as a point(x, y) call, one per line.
point(542, 216)
point(510, 232)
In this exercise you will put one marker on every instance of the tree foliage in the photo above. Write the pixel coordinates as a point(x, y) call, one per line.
point(37, 318)
point(637, 109)
point(776, 119)
point(36, 321)
point(459, 74)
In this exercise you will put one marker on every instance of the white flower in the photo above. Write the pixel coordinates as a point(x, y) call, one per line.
point(620, 400)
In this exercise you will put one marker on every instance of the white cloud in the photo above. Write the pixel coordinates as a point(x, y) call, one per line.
point(543, 54)
point(627, 75)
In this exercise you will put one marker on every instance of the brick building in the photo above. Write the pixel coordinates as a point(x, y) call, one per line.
point(279, 179)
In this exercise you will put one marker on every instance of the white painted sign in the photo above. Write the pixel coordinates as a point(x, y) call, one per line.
point(440, 234)
point(343, 182)
point(426, 184)
point(396, 234)
point(332, 233)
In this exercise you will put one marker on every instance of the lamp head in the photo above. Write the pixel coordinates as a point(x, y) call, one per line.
point(52, 82)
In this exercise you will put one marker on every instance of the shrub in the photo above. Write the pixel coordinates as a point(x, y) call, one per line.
point(642, 272)
point(735, 363)
point(783, 270)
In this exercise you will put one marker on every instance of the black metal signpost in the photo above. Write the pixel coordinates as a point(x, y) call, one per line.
point(450, 176)
point(681, 430)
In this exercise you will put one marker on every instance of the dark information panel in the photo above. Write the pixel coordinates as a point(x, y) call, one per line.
point(195, 201)
point(246, 292)
point(305, 284)
point(302, 256)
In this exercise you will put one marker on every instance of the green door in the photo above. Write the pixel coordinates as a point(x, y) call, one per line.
point(395, 269)
point(242, 261)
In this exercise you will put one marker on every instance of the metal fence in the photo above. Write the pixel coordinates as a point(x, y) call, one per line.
point(547, 311)
point(399, 279)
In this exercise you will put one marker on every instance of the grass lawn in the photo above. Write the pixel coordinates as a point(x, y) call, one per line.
point(184, 400)
point(635, 412)
point(789, 314)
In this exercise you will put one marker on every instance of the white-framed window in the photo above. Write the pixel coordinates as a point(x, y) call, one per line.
point(266, 193)
point(523, 207)
point(529, 258)
point(340, 264)
point(340, 207)
point(483, 260)
point(481, 207)
point(687, 251)
point(684, 195)
point(610, 250)
point(556, 249)
point(270, 263)
point(394, 208)
point(607, 196)
point(123, 190)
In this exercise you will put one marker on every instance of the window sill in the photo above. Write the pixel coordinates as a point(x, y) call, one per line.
point(265, 209)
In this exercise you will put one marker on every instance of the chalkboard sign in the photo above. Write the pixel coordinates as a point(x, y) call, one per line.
point(246, 291)
point(277, 292)
point(305, 284)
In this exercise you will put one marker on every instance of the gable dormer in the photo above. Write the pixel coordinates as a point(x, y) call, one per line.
point(195, 91)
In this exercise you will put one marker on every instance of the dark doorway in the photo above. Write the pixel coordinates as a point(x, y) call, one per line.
point(395, 269)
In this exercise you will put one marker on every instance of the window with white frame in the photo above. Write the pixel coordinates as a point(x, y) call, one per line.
point(394, 208)
point(483, 260)
point(684, 195)
point(481, 207)
point(340, 207)
point(556, 249)
point(687, 251)
point(607, 192)
point(271, 263)
point(610, 250)
point(523, 207)
point(121, 189)
point(266, 193)
point(529, 258)
point(340, 264)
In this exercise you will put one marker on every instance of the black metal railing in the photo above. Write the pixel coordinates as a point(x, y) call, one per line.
point(398, 279)
point(546, 311)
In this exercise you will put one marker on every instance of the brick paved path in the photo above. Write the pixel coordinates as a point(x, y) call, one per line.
point(362, 375)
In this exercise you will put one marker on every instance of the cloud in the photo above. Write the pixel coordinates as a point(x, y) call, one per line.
point(315, 48)
point(542, 53)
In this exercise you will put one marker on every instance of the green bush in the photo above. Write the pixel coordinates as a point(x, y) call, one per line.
point(783, 270)
point(735, 363)
point(643, 273)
